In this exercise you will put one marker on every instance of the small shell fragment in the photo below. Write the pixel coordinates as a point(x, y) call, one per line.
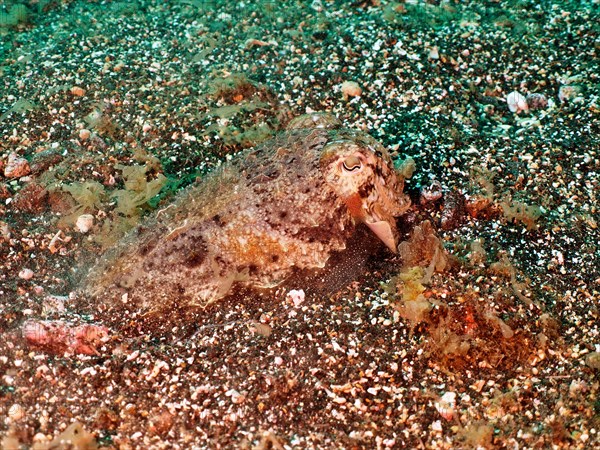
point(84, 223)
point(78, 91)
point(26, 274)
point(84, 134)
point(517, 102)
point(351, 89)
point(16, 167)
point(16, 412)
point(445, 405)
point(296, 297)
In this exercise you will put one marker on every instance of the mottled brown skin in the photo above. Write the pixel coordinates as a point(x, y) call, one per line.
point(286, 205)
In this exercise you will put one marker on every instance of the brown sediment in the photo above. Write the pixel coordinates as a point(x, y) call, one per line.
point(512, 327)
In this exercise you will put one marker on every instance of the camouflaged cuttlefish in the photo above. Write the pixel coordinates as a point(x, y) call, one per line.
point(285, 205)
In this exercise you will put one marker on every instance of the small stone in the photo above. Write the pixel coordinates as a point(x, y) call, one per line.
point(317, 5)
point(431, 192)
point(4, 231)
point(351, 89)
point(577, 387)
point(31, 199)
point(78, 91)
point(434, 53)
point(84, 134)
point(42, 161)
point(568, 93)
point(16, 167)
point(537, 101)
point(593, 360)
point(84, 223)
point(4, 192)
point(54, 303)
point(26, 274)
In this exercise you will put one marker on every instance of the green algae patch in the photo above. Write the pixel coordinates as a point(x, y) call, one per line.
point(120, 208)
point(465, 321)
point(240, 112)
point(412, 305)
point(422, 255)
point(17, 14)
point(138, 190)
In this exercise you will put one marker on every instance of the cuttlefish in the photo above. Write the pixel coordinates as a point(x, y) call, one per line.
point(284, 206)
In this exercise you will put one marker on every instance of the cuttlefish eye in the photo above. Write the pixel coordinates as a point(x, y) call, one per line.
point(352, 163)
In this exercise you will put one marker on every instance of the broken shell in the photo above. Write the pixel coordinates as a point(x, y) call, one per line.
point(296, 297)
point(16, 167)
point(517, 102)
point(445, 405)
point(84, 223)
point(15, 412)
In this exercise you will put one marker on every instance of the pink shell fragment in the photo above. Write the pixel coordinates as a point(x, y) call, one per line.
point(57, 336)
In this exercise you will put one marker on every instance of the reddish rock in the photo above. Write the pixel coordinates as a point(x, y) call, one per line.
point(4, 192)
point(16, 167)
point(453, 210)
point(31, 199)
point(43, 160)
point(60, 201)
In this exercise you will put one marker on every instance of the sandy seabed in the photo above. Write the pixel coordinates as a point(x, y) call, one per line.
point(505, 350)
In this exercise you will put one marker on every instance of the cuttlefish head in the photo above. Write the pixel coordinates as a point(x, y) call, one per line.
point(361, 173)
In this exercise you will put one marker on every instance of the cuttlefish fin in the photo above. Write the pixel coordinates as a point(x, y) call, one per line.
point(384, 231)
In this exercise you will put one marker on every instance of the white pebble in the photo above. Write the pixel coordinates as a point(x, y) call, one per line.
point(26, 274)
point(84, 223)
point(517, 102)
point(40, 438)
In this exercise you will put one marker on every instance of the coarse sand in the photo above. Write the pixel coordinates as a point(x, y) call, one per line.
point(482, 332)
